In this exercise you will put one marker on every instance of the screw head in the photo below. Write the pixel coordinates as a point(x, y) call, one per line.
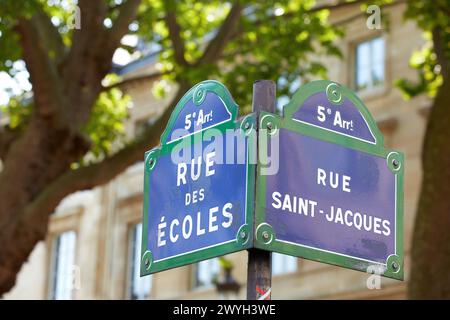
point(395, 265)
point(395, 163)
point(151, 162)
point(147, 262)
point(247, 125)
point(243, 234)
point(265, 235)
point(269, 125)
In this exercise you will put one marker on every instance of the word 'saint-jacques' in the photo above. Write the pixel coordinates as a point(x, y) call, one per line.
point(195, 224)
point(335, 214)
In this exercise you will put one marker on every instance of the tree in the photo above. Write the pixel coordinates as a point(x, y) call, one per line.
point(430, 257)
point(59, 136)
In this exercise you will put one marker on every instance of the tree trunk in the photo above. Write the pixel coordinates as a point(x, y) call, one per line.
point(39, 177)
point(430, 256)
point(64, 91)
point(39, 157)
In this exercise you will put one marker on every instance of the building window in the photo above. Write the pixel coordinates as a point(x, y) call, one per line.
point(138, 287)
point(369, 66)
point(206, 273)
point(63, 269)
point(282, 263)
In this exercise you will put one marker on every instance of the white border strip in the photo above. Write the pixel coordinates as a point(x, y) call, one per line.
point(344, 134)
point(327, 251)
point(192, 251)
point(208, 127)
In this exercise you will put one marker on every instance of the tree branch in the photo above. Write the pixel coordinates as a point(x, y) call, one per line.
point(87, 63)
point(128, 48)
point(43, 73)
point(440, 52)
point(127, 13)
point(50, 36)
point(126, 82)
point(335, 5)
point(91, 32)
point(443, 8)
point(175, 33)
point(99, 173)
point(230, 30)
point(224, 34)
point(7, 137)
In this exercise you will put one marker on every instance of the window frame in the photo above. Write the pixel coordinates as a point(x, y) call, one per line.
point(372, 87)
point(60, 223)
point(285, 272)
point(129, 263)
point(353, 41)
point(194, 274)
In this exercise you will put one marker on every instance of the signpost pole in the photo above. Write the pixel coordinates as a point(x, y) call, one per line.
point(259, 269)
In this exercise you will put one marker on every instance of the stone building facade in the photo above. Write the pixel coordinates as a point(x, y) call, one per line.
point(90, 251)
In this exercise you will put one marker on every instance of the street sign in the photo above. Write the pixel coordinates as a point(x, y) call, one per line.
point(199, 184)
point(336, 194)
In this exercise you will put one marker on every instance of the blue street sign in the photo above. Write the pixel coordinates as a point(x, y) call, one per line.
point(194, 204)
point(337, 194)
point(344, 201)
point(198, 193)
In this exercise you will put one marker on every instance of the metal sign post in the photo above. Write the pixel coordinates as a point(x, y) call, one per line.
point(259, 270)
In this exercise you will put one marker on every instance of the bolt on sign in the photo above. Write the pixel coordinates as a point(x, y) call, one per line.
point(337, 196)
point(199, 184)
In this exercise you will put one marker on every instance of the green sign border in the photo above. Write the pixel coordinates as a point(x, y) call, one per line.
point(264, 236)
point(247, 126)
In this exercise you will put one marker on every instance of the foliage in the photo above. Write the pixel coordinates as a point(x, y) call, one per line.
point(106, 124)
point(274, 39)
point(18, 111)
point(72, 97)
point(429, 78)
point(432, 17)
point(225, 263)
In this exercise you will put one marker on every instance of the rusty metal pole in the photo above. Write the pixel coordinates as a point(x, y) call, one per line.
point(259, 269)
